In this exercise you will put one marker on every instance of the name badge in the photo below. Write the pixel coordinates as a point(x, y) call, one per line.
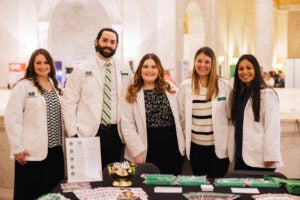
point(221, 98)
point(124, 75)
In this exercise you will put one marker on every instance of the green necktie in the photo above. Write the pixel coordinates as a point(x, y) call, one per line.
point(106, 109)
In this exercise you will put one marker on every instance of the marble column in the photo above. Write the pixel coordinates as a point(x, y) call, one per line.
point(43, 37)
point(166, 40)
point(264, 33)
point(27, 11)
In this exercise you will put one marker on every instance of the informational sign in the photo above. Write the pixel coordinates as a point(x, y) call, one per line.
point(83, 159)
point(16, 72)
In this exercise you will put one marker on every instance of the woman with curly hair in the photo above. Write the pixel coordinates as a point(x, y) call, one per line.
point(150, 119)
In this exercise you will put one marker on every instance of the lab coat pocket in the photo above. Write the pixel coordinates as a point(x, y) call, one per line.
point(256, 142)
point(91, 86)
point(31, 101)
point(33, 141)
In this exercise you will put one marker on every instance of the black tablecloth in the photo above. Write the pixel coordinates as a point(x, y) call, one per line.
point(138, 182)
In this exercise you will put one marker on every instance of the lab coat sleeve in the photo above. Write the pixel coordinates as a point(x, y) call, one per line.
point(181, 106)
point(13, 118)
point(271, 119)
point(129, 126)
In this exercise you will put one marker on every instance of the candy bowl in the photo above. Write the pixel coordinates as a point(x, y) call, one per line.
point(121, 173)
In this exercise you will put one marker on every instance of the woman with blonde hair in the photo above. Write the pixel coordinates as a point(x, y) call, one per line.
point(150, 119)
point(203, 105)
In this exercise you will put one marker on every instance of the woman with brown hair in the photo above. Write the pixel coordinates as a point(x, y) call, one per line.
point(203, 105)
point(150, 119)
point(33, 124)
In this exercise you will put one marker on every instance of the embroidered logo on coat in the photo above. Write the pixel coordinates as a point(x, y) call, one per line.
point(88, 73)
point(31, 94)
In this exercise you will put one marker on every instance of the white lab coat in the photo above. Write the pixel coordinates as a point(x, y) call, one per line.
point(219, 118)
point(261, 140)
point(25, 121)
point(83, 97)
point(134, 128)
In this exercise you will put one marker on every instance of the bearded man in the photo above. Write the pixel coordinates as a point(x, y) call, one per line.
point(92, 96)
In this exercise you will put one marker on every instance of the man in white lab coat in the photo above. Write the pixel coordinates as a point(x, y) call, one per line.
point(84, 97)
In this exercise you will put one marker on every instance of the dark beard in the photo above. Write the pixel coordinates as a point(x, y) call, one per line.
point(103, 53)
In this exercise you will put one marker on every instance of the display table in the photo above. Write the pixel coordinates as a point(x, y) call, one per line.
point(137, 182)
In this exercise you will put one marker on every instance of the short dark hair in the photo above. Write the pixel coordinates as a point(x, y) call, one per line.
point(107, 29)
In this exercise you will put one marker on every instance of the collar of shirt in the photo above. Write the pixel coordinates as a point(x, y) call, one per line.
point(102, 63)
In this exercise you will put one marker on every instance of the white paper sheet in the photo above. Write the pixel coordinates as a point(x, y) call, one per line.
point(83, 159)
point(245, 190)
point(168, 189)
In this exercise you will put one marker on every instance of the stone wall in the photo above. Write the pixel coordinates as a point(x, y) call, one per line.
point(6, 164)
point(290, 147)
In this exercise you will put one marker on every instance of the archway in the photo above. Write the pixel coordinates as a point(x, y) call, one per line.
point(73, 27)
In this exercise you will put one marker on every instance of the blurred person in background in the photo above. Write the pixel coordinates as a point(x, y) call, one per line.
point(268, 79)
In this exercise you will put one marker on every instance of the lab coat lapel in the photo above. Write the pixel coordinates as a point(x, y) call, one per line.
point(215, 101)
point(97, 72)
point(171, 102)
point(119, 78)
point(141, 105)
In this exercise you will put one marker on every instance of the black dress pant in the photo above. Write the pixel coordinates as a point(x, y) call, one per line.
point(111, 145)
point(163, 150)
point(241, 165)
point(204, 161)
point(37, 178)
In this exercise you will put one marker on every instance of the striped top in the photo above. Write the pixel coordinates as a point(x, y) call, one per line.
point(54, 125)
point(202, 127)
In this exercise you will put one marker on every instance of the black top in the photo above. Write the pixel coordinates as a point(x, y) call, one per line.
point(239, 121)
point(158, 110)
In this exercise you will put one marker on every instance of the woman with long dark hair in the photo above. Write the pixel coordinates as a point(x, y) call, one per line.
point(255, 114)
point(34, 128)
